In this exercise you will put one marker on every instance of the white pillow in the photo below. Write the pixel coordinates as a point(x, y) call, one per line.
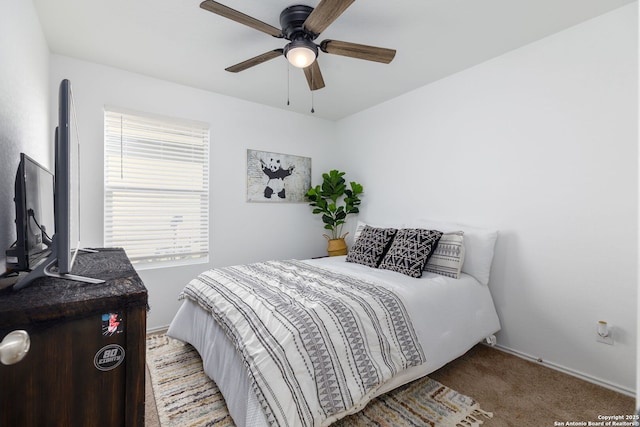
point(359, 227)
point(448, 258)
point(478, 243)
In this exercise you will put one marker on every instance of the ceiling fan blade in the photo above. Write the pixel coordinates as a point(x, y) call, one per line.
point(254, 61)
point(324, 14)
point(314, 76)
point(234, 15)
point(360, 51)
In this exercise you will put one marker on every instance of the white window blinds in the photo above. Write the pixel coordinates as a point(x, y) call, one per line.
point(156, 188)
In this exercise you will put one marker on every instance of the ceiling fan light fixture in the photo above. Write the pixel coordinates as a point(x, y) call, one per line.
point(301, 53)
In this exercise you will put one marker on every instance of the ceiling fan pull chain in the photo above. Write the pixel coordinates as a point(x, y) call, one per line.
point(312, 110)
point(288, 84)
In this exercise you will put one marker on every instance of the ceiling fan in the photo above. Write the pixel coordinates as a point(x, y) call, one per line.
point(301, 25)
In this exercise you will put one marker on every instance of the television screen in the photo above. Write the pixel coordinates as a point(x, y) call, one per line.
point(39, 208)
point(34, 189)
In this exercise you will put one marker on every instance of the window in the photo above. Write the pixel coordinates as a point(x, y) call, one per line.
point(156, 188)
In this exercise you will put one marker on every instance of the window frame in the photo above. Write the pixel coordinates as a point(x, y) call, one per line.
point(163, 164)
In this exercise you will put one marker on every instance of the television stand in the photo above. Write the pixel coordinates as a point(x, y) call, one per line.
point(88, 251)
point(50, 273)
point(47, 269)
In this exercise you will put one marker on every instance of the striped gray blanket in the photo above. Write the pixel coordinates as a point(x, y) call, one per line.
point(316, 344)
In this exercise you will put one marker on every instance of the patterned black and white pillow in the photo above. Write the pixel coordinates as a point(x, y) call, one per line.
point(448, 257)
point(371, 246)
point(410, 251)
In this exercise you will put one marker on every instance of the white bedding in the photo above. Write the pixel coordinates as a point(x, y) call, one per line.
point(449, 317)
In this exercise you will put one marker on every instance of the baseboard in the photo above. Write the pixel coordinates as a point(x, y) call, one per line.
point(157, 329)
point(563, 369)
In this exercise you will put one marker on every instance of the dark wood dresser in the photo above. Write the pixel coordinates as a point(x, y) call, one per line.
point(86, 364)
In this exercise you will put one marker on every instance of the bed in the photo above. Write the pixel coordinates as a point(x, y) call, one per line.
point(445, 317)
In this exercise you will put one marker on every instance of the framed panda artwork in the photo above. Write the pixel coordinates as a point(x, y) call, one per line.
point(276, 177)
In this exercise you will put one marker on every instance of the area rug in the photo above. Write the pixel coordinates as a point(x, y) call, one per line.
point(185, 396)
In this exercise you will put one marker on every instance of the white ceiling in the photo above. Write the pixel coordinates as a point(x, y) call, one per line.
point(177, 41)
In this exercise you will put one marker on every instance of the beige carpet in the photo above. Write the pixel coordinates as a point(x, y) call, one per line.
point(150, 410)
point(518, 392)
point(524, 393)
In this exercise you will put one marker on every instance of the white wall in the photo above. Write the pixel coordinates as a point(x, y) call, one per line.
point(240, 232)
point(540, 143)
point(24, 103)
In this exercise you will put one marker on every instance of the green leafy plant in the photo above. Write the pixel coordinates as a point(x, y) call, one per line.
point(334, 201)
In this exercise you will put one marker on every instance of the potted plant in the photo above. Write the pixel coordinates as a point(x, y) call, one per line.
point(334, 201)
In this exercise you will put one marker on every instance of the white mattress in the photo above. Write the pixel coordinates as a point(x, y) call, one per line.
point(449, 316)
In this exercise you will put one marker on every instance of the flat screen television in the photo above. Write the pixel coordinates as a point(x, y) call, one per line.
point(34, 189)
point(67, 183)
point(65, 241)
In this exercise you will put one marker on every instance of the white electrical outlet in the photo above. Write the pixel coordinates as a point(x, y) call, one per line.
point(605, 340)
point(604, 333)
